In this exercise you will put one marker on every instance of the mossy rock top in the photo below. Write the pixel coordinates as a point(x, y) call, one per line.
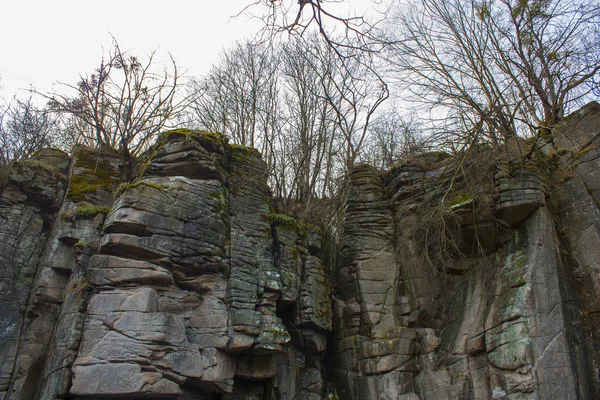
point(94, 170)
point(282, 220)
point(53, 160)
point(97, 160)
point(200, 136)
point(362, 168)
point(37, 164)
point(103, 152)
point(240, 150)
point(49, 151)
point(211, 141)
point(426, 161)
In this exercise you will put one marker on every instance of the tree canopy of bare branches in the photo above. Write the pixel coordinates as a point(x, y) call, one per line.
point(498, 67)
point(234, 97)
point(123, 103)
point(346, 30)
point(305, 110)
point(393, 137)
point(25, 128)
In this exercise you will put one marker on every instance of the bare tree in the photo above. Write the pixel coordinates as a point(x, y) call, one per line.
point(346, 32)
point(329, 107)
point(306, 111)
point(26, 128)
point(236, 96)
point(241, 96)
point(310, 130)
point(393, 137)
point(497, 68)
point(354, 93)
point(551, 45)
point(124, 103)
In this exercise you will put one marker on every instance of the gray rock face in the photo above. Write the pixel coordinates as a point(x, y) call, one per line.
point(186, 284)
point(578, 225)
point(182, 284)
point(59, 291)
point(509, 323)
point(28, 206)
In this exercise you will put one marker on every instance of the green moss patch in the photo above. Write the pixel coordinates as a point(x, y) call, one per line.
point(243, 149)
point(203, 137)
point(242, 154)
point(96, 163)
point(586, 150)
point(126, 186)
point(84, 211)
point(221, 202)
point(96, 172)
point(283, 221)
point(515, 268)
point(174, 135)
point(462, 201)
point(38, 164)
point(81, 245)
point(79, 186)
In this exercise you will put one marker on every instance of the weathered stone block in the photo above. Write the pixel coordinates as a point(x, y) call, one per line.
point(120, 380)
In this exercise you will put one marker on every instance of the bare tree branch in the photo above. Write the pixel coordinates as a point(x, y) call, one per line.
point(501, 68)
point(124, 103)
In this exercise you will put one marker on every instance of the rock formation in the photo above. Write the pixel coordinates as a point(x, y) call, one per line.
point(188, 284)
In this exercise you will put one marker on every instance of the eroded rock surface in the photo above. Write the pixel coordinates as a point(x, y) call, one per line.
point(512, 318)
point(185, 283)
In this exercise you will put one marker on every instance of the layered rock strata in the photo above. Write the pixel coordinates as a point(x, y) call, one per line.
point(508, 308)
point(185, 283)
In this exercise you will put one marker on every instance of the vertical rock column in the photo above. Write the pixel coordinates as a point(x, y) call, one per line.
point(157, 320)
point(374, 355)
point(305, 306)
point(526, 338)
point(56, 308)
point(577, 198)
point(418, 290)
point(254, 285)
point(28, 205)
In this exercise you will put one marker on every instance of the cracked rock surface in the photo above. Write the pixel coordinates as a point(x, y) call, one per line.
point(186, 283)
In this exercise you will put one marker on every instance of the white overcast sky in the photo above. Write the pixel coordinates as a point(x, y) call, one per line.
point(44, 41)
point(47, 41)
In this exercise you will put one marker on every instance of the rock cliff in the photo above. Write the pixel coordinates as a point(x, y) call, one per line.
point(475, 278)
